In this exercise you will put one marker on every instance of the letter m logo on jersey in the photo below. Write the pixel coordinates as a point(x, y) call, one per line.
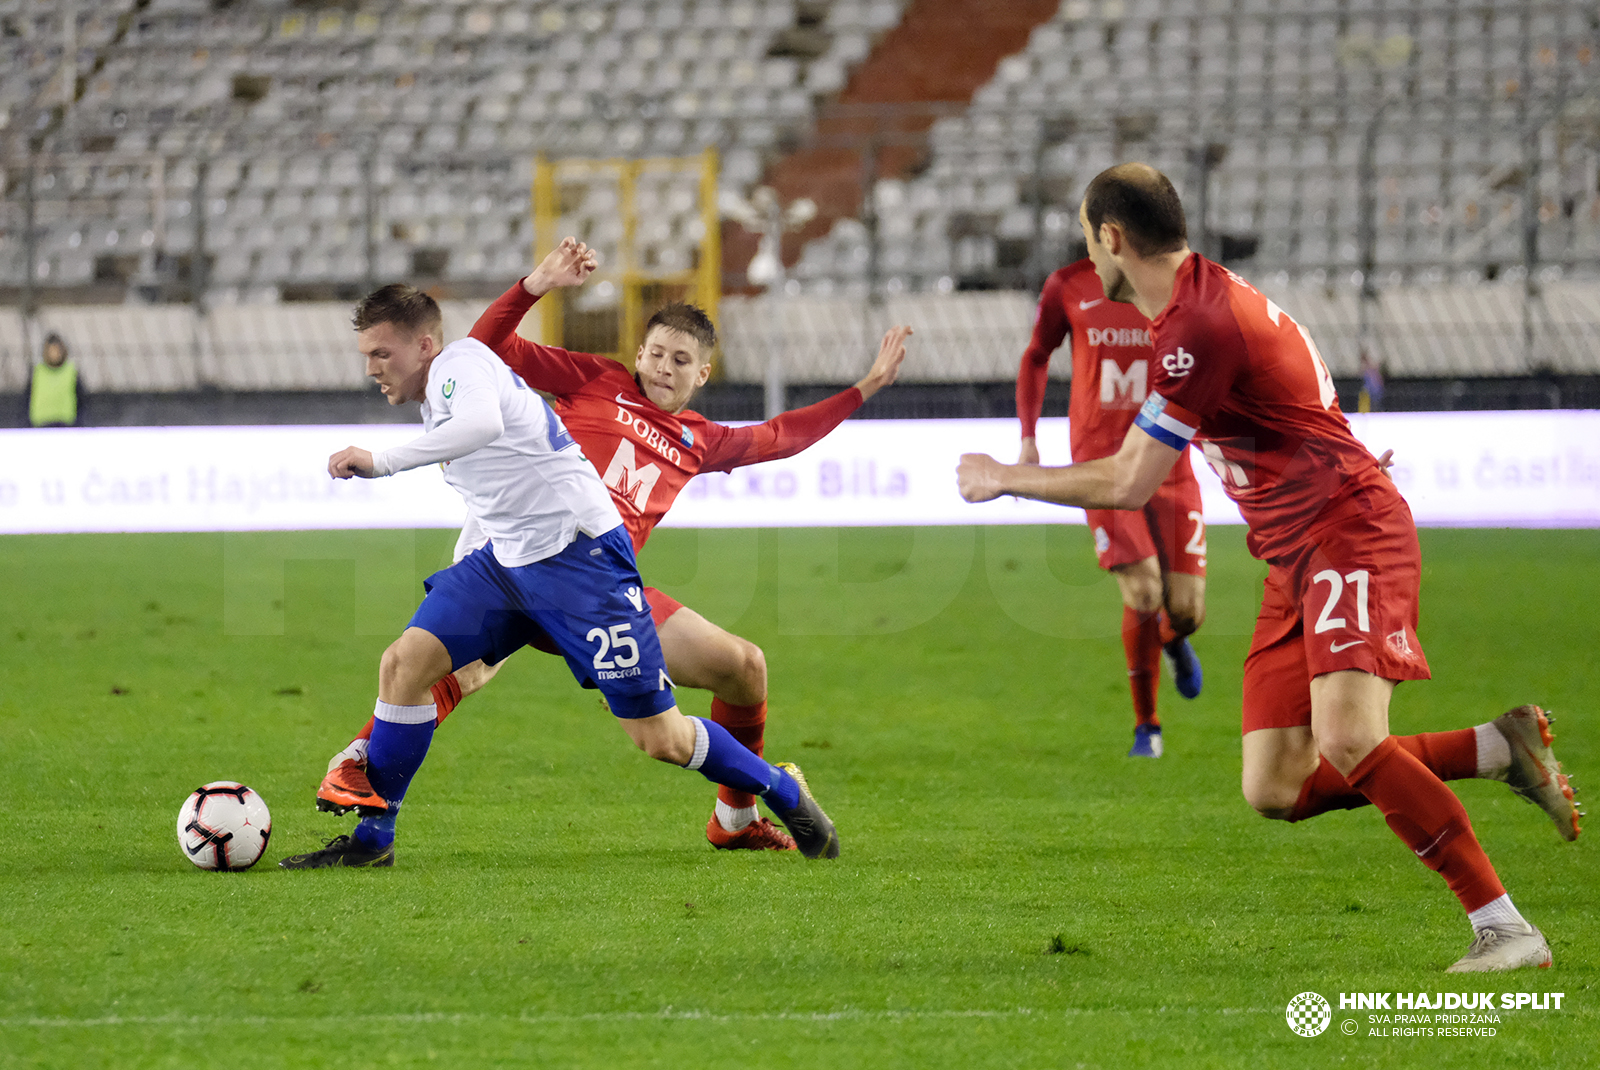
point(627, 480)
point(1123, 389)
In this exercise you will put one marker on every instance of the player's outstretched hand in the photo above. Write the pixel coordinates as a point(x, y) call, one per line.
point(891, 353)
point(1386, 462)
point(568, 264)
point(978, 477)
point(351, 461)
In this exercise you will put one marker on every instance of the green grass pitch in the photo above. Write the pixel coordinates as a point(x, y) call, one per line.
point(1013, 891)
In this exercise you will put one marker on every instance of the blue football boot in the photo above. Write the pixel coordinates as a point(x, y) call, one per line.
point(1185, 666)
point(1146, 741)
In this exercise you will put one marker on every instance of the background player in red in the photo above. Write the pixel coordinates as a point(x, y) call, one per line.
point(638, 432)
point(1158, 553)
point(1337, 628)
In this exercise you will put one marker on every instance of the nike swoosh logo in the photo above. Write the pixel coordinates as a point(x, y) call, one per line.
point(1431, 845)
point(1085, 306)
point(624, 401)
point(1334, 648)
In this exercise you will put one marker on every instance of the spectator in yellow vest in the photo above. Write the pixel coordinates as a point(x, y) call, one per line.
point(55, 393)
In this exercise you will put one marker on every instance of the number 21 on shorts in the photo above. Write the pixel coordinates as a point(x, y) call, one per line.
point(1358, 581)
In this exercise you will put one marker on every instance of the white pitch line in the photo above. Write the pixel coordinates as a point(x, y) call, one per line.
point(667, 1015)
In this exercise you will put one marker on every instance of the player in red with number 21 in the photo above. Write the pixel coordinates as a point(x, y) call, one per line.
point(1337, 627)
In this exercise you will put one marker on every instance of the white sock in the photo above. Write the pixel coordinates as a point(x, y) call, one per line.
point(733, 818)
point(1494, 753)
point(702, 744)
point(1499, 913)
point(386, 711)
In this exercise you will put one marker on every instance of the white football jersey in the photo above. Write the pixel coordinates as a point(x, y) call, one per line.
point(526, 483)
point(470, 538)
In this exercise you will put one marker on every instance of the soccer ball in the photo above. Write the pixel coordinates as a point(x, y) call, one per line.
point(224, 825)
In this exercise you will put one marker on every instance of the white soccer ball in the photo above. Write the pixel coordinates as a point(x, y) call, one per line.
point(224, 825)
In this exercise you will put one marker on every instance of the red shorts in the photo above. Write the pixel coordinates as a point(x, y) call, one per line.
point(1170, 527)
point(662, 606)
point(1356, 582)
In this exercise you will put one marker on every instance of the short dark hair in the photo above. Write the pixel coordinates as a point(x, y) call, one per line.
point(54, 339)
point(689, 319)
point(403, 305)
point(1140, 200)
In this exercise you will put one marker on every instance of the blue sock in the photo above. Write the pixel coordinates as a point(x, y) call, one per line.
point(400, 738)
point(722, 759)
point(785, 791)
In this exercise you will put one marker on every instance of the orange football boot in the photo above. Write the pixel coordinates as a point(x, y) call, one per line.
point(1534, 773)
point(347, 788)
point(759, 835)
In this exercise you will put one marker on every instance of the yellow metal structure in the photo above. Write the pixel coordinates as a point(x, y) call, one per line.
point(558, 188)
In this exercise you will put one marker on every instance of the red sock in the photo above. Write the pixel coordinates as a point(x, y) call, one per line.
point(1167, 634)
point(446, 696)
point(747, 724)
point(1326, 789)
point(1448, 756)
point(1430, 819)
point(1141, 643)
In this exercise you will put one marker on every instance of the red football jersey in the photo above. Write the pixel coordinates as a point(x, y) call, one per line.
point(1111, 360)
point(1237, 372)
point(644, 454)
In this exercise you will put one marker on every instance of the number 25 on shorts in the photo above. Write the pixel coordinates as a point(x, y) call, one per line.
point(614, 642)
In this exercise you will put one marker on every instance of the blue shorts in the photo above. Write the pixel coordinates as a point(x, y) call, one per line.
point(587, 601)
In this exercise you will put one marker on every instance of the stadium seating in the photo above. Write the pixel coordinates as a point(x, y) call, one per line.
point(959, 337)
point(424, 116)
point(241, 347)
point(311, 148)
point(1283, 101)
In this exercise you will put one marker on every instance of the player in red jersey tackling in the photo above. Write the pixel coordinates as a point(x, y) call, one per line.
point(1337, 628)
point(1158, 553)
point(639, 433)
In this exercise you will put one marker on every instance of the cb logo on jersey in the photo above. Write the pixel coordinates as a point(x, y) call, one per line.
point(1178, 364)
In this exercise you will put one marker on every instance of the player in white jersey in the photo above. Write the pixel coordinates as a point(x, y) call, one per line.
point(558, 567)
point(527, 486)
